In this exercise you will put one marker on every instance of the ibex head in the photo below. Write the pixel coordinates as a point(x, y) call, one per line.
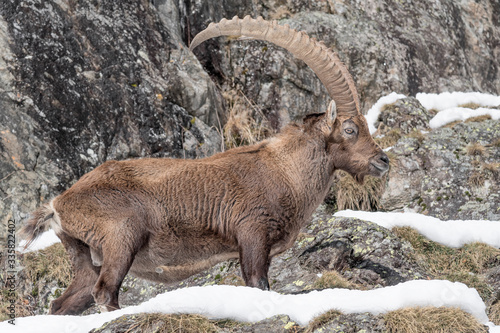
point(345, 127)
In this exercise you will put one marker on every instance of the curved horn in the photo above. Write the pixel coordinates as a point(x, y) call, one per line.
point(322, 60)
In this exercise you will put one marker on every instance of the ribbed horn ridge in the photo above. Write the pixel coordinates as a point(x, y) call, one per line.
point(322, 60)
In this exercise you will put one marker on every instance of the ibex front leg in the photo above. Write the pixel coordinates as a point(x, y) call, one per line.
point(254, 259)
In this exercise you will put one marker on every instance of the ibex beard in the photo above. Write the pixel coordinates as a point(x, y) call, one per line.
point(167, 219)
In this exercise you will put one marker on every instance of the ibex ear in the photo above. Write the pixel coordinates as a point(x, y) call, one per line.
point(328, 119)
point(331, 113)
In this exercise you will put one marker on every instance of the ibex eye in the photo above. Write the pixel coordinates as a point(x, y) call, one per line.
point(349, 130)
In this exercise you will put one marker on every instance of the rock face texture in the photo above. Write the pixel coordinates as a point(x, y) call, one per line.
point(451, 173)
point(408, 47)
point(82, 82)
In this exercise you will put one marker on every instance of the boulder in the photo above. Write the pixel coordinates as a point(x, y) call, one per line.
point(450, 173)
point(352, 323)
point(406, 115)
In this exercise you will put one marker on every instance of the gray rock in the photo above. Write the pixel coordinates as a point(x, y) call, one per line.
point(279, 323)
point(437, 174)
point(406, 115)
point(353, 323)
point(364, 252)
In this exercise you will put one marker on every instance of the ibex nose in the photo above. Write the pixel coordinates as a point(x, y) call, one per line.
point(381, 163)
point(383, 157)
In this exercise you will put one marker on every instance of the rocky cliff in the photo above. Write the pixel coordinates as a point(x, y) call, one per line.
point(82, 82)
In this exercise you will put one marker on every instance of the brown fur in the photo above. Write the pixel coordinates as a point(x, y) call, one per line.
point(166, 219)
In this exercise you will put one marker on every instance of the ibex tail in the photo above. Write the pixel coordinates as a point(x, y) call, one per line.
point(39, 222)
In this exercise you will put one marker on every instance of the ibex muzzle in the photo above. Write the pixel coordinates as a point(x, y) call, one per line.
point(167, 219)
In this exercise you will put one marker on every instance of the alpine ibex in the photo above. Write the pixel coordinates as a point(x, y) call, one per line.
point(167, 219)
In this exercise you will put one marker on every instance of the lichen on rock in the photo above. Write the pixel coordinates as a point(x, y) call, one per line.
point(432, 175)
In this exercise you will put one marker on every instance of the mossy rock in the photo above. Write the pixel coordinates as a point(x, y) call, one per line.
point(365, 253)
point(450, 173)
point(406, 114)
point(336, 322)
point(193, 323)
point(158, 322)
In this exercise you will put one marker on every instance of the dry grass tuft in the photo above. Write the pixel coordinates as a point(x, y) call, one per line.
point(347, 193)
point(322, 320)
point(478, 118)
point(466, 264)
point(472, 106)
point(280, 13)
point(492, 170)
point(428, 319)
point(476, 179)
point(232, 280)
point(433, 112)
point(241, 127)
point(51, 263)
point(494, 313)
point(476, 149)
point(332, 279)
point(416, 134)
point(22, 308)
point(387, 107)
point(452, 124)
point(173, 323)
point(389, 139)
point(495, 143)
point(392, 158)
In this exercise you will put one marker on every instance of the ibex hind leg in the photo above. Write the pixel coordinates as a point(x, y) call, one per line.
point(118, 255)
point(78, 296)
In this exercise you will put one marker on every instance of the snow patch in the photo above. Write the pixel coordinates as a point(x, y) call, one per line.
point(448, 100)
point(449, 233)
point(453, 114)
point(252, 304)
point(449, 106)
